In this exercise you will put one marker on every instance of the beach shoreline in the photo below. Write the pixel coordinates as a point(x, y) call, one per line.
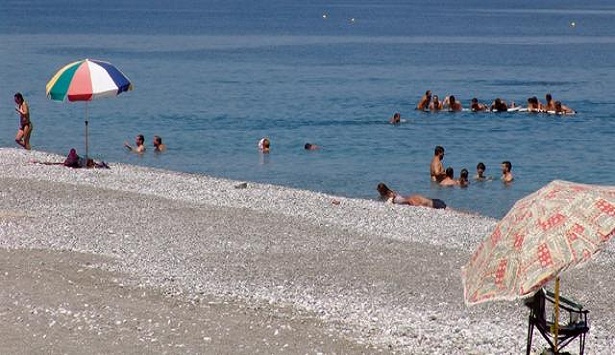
point(362, 276)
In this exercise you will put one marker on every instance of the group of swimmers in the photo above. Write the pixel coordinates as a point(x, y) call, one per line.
point(264, 145)
point(443, 177)
point(429, 102)
point(139, 147)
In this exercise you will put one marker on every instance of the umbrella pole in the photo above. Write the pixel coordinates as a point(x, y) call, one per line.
point(86, 133)
point(556, 321)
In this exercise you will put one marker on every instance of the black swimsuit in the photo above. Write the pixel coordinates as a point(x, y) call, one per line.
point(439, 204)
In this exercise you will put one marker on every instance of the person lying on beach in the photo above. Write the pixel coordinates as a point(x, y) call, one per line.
point(412, 200)
point(139, 145)
point(73, 160)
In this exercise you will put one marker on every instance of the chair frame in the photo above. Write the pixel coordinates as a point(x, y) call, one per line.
point(576, 327)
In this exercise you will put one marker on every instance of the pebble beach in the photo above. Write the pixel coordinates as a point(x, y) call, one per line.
point(139, 260)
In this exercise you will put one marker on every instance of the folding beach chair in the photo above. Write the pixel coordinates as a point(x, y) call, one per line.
point(575, 325)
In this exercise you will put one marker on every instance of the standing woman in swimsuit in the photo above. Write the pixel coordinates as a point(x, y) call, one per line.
point(25, 125)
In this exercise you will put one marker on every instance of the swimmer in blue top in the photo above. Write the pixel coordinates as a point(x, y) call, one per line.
point(412, 200)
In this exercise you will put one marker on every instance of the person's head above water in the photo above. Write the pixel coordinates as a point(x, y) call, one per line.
point(464, 174)
point(264, 145)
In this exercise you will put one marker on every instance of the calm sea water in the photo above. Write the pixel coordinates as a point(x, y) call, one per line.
point(213, 77)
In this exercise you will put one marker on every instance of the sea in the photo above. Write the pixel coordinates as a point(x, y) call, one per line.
point(213, 77)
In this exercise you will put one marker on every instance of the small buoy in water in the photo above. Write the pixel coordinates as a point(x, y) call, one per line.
point(352, 20)
point(324, 16)
point(573, 24)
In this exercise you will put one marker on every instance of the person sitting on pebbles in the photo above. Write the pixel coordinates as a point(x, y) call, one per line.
point(73, 160)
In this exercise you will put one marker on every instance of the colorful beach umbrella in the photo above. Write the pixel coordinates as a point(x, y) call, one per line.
point(86, 80)
point(561, 226)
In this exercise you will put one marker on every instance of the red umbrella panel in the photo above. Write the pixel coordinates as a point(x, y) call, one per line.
point(560, 226)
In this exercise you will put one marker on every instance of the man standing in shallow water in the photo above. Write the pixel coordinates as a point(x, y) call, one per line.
point(436, 168)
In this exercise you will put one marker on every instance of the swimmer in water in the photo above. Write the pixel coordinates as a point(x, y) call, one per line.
point(452, 104)
point(436, 104)
point(476, 106)
point(264, 145)
point(310, 146)
point(396, 119)
point(424, 102)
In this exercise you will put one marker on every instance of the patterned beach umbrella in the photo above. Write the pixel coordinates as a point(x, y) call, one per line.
point(86, 80)
point(558, 227)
